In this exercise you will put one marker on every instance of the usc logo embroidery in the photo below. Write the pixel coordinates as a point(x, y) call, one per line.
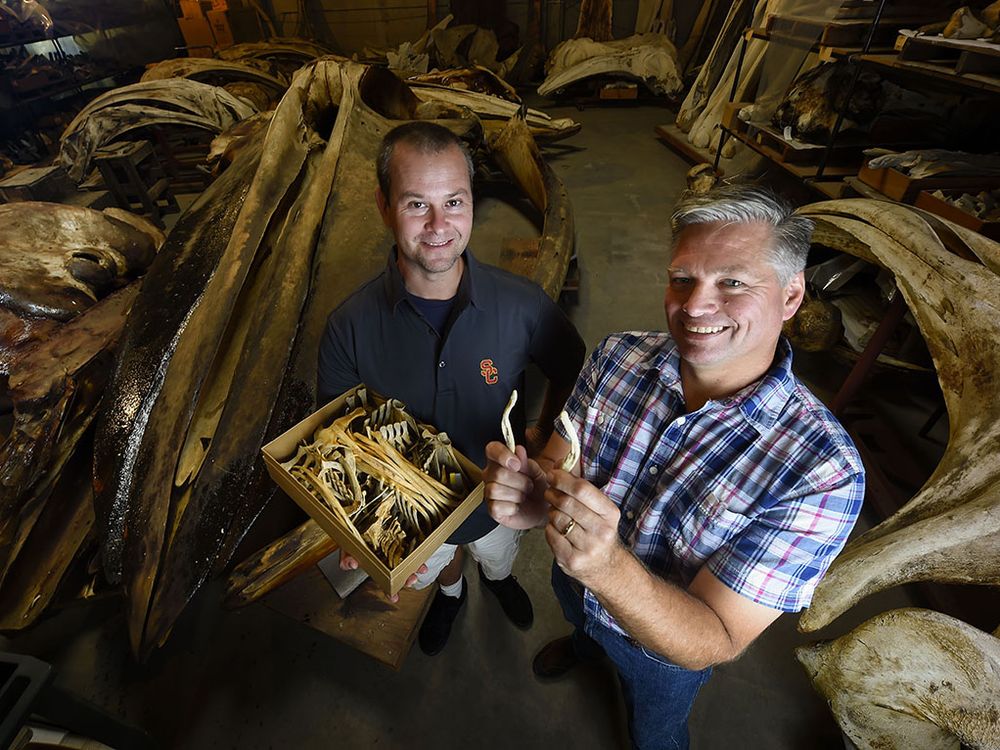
point(488, 371)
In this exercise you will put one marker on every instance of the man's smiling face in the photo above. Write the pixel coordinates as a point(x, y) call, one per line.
point(724, 302)
point(429, 209)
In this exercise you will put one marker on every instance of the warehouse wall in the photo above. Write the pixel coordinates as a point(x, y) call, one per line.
point(350, 25)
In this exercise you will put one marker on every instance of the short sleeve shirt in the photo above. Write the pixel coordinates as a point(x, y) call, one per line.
point(460, 381)
point(763, 487)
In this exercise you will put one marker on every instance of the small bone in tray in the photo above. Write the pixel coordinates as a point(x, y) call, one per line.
point(390, 480)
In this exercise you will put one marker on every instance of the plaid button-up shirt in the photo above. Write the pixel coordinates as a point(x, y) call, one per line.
point(763, 487)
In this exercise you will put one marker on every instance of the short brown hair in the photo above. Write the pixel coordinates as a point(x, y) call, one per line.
point(425, 137)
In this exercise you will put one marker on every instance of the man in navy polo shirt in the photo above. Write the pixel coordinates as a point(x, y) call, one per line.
point(451, 338)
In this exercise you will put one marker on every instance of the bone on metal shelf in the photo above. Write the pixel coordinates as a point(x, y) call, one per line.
point(828, 184)
point(830, 33)
point(825, 52)
point(970, 64)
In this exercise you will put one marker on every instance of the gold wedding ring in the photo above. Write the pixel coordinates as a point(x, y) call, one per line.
point(569, 527)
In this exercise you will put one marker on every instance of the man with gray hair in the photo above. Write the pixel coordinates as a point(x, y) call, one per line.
point(713, 489)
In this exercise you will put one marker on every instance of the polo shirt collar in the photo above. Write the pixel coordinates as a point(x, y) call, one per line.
point(761, 402)
point(469, 287)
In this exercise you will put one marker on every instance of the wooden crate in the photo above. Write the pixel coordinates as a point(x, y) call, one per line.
point(845, 150)
point(730, 116)
point(36, 184)
point(619, 90)
point(391, 581)
point(960, 56)
point(901, 187)
point(832, 33)
point(946, 210)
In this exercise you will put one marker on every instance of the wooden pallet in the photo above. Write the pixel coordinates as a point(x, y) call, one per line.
point(365, 619)
point(960, 56)
point(825, 54)
point(785, 151)
point(941, 77)
point(830, 185)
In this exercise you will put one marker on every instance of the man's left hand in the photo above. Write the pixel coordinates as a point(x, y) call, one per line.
point(582, 529)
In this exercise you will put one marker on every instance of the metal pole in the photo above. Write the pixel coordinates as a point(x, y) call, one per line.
point(732, 95)
point(850, 91)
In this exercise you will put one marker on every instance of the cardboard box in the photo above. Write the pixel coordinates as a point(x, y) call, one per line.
point(232, 26)
point(619, 91)
point(391, 581)
point(946, 210)
point(195, 8)
point(198, 36)
point(221, 30)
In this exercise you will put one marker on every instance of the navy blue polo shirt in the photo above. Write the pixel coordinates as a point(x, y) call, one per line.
point(458, 381)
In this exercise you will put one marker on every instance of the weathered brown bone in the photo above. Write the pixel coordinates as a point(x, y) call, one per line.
point(55, 386)
point(213, 72)
point(277, 563)
point(950, 530)
point(175, 101)
point(649, 58)
point(495, 112)
point(286, 54)
point(911, 678)
point(56, 260)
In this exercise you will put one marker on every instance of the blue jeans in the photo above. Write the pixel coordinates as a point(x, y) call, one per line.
point(658, 694)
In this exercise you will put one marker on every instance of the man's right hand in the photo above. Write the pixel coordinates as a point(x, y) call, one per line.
point(514, 487)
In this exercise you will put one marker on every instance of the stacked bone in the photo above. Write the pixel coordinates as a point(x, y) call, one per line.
point(389, 480)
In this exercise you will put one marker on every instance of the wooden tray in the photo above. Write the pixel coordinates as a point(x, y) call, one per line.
point(832, 33)
point(930, 202)
point(903, 188)
point(283, 447)
point(958, 55)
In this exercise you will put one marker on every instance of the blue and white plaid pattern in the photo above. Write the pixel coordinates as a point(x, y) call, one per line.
point(763, 487)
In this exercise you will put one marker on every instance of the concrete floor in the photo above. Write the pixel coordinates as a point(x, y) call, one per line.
point(255, 679)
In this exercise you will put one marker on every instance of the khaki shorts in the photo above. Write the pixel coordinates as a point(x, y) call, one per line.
point(495, 552)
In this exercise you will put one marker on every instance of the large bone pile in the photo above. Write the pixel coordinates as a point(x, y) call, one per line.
point(389, 480)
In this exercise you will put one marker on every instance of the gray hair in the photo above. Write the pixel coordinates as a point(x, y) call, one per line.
point(426, 138)
point(749, 204)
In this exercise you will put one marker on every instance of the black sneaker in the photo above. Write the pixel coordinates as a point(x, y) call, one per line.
point(555, 659)
point(513, 599)
point(437, 625)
